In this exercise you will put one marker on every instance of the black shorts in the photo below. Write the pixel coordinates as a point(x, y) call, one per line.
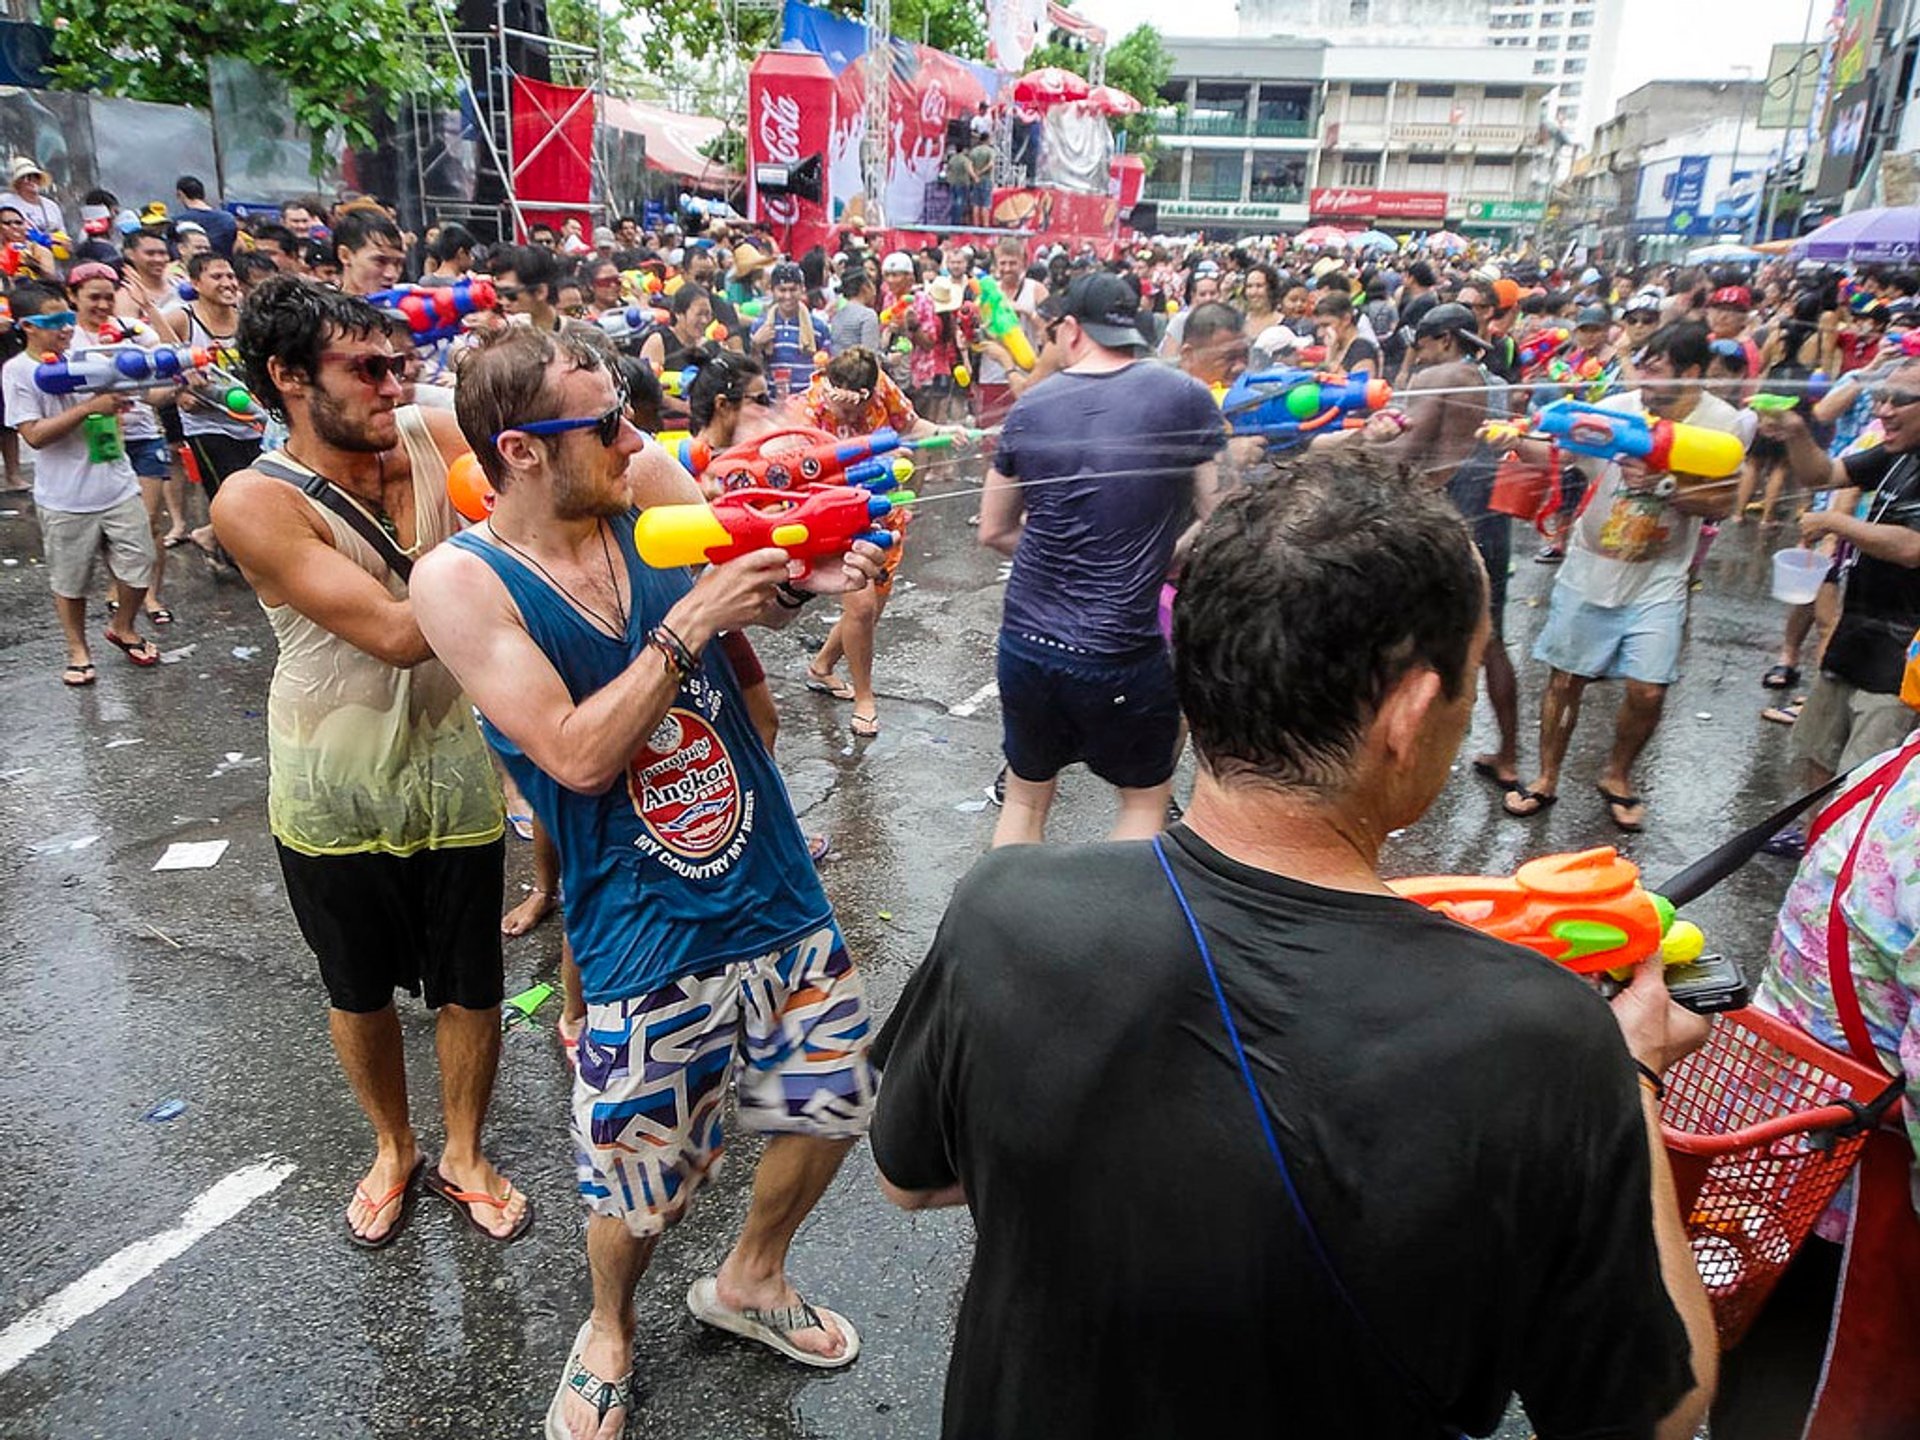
point(377, 921)
point(1121, 716)
point(1493, 538)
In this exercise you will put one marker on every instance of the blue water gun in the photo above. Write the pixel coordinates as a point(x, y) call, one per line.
point(1288, 406)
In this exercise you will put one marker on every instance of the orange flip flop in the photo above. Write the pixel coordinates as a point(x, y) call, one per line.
point(465, 1200)
point(403, 1192)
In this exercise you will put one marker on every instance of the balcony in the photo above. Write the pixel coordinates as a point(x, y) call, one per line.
point(1283, 129)
point(1278, 195)
point(1442, 136)
point(1212, 192)
point(1213, 124)
point(1160, 190)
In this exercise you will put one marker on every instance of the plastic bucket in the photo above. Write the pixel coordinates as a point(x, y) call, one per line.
point(1797, 575)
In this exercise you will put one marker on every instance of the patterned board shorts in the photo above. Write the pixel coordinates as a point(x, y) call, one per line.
point(790, 1026)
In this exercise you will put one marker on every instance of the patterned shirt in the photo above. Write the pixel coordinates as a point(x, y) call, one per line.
point(885, 406)
point(1882, 910)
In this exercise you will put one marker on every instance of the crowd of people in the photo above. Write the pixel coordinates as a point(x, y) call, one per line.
point(1342, 1216)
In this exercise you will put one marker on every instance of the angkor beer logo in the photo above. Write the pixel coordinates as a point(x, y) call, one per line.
point(684, 787)
point(779, 131)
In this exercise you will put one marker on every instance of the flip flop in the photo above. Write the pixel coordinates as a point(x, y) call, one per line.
point(827, 683)
point(1787, 714)
point(772, 1327)
point(139, 651)
point(160, 615)
point(86, 673)
point(174, 542)
point(404, 1193)
point(602, 1395)
point(465, 1200)
point(865, 726)
point(1538, 801)
point(1781, 677)
point(1615, 804)
point(1488, 772)
point(521, 825)
point(818, 848)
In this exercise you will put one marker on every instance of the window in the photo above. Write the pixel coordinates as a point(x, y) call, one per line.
point(1216, 176)
point(1426, 172)
point(1574, 67)
point(1550, 21)
point(1504, 92)
point(1549, 42)
point(1278, 179)
point(1580, 20)
point(1441, 92)
point(1367, 105)
point(1579, 42)
point(1355, 174)
point(1367, 87)
point(1571, 90)
point(1357, 12)
point(1544, 67)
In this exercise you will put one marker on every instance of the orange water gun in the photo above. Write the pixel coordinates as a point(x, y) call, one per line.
point(1587, 911)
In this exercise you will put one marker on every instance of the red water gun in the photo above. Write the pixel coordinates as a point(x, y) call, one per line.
point(1542, 345)
point(776, 462)
point(818, 523)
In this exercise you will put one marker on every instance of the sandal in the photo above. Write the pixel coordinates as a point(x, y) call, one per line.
point(1785, 714)
point(605, 1396)
point(521, 825)
point(465, 1200)
point(403, 1192)
point(818, 848)
point(139, 651)
point(825, 682)
point(174, 542)
point(865, 726)
point(1486, 770)
point(1616, 803)
point(1535, 800)
point(86, 676)
point(1781, 677)
point(773, 1327)
point(159, 615)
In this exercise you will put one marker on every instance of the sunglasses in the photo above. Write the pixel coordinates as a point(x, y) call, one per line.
point(52, 320)
point(509, 292)
point(606, 428)
point(1887, 397)
point(374, 370)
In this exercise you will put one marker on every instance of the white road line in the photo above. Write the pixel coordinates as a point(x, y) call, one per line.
point(120, 1272)
point(974, 701)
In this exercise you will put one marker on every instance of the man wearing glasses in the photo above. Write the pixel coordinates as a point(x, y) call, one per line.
point(1854, 710)
point(380, 795)
point(706, 945)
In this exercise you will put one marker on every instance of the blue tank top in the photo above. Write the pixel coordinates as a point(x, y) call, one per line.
point(695, 859)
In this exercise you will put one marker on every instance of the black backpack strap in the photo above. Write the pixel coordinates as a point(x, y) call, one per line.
point(328, 494)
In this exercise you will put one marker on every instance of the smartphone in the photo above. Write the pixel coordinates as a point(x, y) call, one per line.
point(1708, 985)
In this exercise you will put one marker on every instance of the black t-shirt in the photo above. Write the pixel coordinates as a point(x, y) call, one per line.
point(1461, 1117)
point(1882, 607)
point(1361, 351)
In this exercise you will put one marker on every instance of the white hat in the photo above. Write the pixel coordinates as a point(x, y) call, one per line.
point(23, 165)
point(898, 263)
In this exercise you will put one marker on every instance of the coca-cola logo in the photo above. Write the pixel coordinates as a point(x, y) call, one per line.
point(778, 131)
point(933, 106)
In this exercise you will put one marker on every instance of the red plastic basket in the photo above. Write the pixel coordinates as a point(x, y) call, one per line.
point(1751, 1122)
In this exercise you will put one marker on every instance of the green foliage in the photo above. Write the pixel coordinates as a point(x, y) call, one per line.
point(341, 59)
point(1138, 64)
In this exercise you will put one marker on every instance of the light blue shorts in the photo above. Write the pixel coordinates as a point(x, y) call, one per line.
point(1601, 642)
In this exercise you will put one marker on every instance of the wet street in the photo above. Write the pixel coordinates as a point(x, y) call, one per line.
point(218, 1297)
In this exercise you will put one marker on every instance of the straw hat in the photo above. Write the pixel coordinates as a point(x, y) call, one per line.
point(946, 293)
point(746, 260)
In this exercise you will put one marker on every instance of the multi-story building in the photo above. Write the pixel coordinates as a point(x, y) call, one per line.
point(1263, 138)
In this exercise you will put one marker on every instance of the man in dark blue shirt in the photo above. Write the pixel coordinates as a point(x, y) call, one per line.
point(222, 229)
point(1099, 471)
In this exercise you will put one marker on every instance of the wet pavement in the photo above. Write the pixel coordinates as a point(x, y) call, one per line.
point(126, 988)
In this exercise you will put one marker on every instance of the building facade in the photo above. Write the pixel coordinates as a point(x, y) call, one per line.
point(1255, 139)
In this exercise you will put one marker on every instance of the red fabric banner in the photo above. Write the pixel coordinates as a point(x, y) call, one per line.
point(552, 149)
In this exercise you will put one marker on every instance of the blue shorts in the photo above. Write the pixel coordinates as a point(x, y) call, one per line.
point(151, 459)
point(1057, 706)
point(1604, 642)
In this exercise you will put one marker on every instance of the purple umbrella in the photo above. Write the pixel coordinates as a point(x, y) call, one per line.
point(1867, 237)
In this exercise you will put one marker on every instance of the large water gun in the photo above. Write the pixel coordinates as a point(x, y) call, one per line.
point(434, 313)
point(894, 314)
point(121, 369)
point(1587, 911)
point(1002, 322)
point(816, 524)
point(625, 322)
point(829, 461)
point(1287, 405)
point(1542, 345)
point(1664, 446)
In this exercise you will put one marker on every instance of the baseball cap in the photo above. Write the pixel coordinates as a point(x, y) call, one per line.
point(1506, 293)
point(1593, 315)
point(1205, 267)
point(189, 227)
point(897, 263)
point(787, 273)
point(1644, 300)
point(1731, 297)
point(1107, 307)
point(1452, 319)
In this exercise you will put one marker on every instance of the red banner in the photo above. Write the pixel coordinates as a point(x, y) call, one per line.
point(790, 116)
point(1364, 204)
point(552, 149)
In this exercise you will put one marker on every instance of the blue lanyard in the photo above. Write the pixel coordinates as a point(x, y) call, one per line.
point(1424, 1398)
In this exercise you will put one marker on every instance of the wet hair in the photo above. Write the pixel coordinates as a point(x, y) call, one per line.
point(451, 240)
point(1211, 318)
point(190, 187)
point(361, 226)
point(856, 368)
point(642, 389)
point(32, 296)
point(856, 282)
point(530, 265)
point(318, 255)
point(1335, 305)
point(134, 237)
point(1421, 273)
point(723, 375)
point(197, 264)
point(1274, 292)
point(1684, 343)
point(291, 319)
point(1280, 659)
point(684, 298)
point(279, 237)
point(253, 266)
point(504, 383)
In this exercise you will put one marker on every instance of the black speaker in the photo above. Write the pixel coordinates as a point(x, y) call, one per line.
point(959, 134)
point(1145, 216)
point(802, 178)
point(524, 57)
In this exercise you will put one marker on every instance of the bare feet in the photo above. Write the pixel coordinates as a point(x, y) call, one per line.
point(527, 914)
point(823, 1340)
point(478, 1177)
point(385, 1181)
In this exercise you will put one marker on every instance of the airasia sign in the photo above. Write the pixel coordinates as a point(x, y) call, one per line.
point(1367, 204)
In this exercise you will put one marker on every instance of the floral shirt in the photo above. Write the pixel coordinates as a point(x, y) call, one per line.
point(885, 406)
point(1882, 910)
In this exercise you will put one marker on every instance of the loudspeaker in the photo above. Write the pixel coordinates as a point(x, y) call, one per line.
point(959, 134)
point(1145, 217)
point(802, 178)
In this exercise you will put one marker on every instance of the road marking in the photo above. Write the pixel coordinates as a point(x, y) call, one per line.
point(124, 1269)
point(974, 701)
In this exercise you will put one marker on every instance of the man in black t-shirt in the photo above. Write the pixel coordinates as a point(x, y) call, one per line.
point(1478, 1203)
point(1854, 710)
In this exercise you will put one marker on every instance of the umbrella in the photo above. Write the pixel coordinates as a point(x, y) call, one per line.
point(1049, 85)
point(1375, 240)
point(1726, 252)
point(1323, 236)
point(1446, 240)
point(1867, 236)
point(1112, 101)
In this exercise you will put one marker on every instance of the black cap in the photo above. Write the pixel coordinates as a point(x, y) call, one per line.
point(787, 273)
point(1450, 319)
point(1107, 307)
point(1593, 315)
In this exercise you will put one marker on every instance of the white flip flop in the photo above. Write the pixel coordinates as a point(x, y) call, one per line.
point(556, 1428)
point(771, 1327)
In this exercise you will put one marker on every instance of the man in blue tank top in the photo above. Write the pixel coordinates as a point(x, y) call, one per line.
point(707, 948)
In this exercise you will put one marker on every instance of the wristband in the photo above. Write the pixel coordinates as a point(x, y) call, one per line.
point(680, 660)
point(788, 596)
point(1652, 1079)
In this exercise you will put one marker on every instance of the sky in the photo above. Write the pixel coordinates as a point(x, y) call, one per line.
point(1659, 40)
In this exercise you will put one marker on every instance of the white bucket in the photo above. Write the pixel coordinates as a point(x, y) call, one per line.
point(1797, 574)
